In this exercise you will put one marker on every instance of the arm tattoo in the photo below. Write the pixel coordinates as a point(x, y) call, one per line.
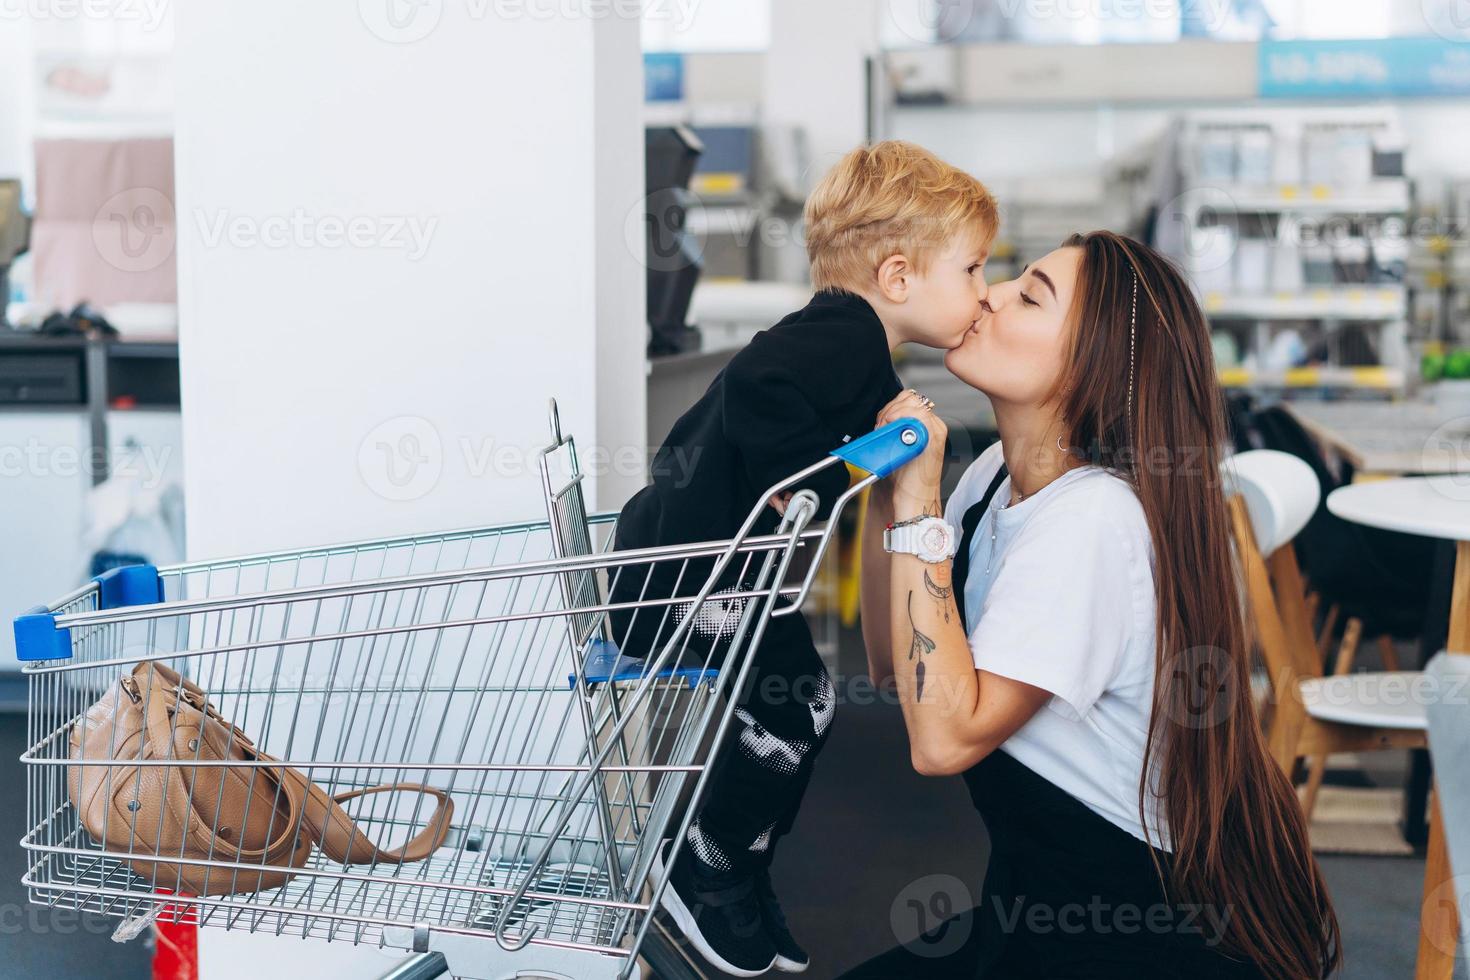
point(941, 593)
point(919, 646)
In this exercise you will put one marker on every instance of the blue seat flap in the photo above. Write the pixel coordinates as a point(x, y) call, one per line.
point(605, 664)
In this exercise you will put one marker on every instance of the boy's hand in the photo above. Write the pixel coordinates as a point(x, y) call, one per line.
point(781, 501)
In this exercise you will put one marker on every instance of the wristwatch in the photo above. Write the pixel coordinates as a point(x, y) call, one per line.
point(931, 539)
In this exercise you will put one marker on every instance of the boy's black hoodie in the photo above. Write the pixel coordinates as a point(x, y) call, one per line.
point(792, 395)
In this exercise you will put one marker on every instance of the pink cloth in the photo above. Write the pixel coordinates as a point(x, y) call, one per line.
point(104, 229)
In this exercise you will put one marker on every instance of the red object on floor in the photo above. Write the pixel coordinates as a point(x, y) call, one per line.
point(176, 945)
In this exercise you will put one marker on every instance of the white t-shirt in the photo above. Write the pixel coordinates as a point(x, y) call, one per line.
point(1060, 592)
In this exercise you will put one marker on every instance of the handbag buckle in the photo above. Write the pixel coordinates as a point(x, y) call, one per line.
point(130, 687)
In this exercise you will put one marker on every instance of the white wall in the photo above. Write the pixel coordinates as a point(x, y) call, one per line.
point(816, 75)
point(491, 166)
point(332, 391)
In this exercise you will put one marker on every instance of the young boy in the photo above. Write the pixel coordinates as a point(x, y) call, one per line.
point(897, 241)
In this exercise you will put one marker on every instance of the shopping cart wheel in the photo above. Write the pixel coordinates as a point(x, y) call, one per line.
point(425, 966)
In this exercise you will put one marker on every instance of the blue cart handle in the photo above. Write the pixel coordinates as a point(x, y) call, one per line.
point(880, 452)
point(884, 450)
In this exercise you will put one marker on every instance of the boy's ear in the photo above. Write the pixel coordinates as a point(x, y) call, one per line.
point(895, 277)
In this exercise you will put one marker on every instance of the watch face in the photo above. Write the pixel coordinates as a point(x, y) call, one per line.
point(936, 539)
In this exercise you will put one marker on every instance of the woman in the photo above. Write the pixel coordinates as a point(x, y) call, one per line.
point(1102, 637)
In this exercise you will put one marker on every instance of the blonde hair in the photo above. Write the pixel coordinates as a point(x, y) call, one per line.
point(883, 200)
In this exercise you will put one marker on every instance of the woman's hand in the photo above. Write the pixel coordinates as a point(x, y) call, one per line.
point(916, 485)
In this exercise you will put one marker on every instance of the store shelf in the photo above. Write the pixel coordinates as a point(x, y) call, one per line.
point(1334, 303)
point(1388, 196)
point(1356, 378)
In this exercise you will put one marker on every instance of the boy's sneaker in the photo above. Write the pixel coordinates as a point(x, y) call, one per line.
point(719, 914)
point(790, 957)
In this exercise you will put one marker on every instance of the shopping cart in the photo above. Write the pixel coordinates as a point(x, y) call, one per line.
point(477, 662)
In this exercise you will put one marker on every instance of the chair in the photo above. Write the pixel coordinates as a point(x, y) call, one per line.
point(1272, 496)
point(1378, 579)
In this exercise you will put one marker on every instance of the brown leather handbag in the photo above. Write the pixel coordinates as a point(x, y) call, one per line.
point(267, 817)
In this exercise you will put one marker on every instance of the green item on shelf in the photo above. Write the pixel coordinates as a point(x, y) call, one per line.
point(1457, 364)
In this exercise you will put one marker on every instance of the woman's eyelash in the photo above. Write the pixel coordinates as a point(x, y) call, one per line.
point(1028, 300)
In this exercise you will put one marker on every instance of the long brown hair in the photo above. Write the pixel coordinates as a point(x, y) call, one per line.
point(1239, 838)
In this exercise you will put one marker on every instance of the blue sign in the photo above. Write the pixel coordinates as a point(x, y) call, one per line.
point(663, 77)
point(1389, 66)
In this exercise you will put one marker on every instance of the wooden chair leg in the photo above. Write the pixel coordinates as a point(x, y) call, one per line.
point(1388, 652)
point(1329, 625)
point(1316, 769)
point(1347, 652)
point(1439, 916)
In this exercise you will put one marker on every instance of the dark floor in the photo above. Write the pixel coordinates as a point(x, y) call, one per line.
point(876, 849)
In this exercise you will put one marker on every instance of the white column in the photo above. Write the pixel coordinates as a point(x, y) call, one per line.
point(392, 250)
point(816, 72)
point(402, 228)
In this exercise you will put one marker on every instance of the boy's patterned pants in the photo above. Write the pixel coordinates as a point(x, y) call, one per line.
point(781, 722)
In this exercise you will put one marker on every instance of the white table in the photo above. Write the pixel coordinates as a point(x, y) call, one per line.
point(1408, 437)
point(1436, 507)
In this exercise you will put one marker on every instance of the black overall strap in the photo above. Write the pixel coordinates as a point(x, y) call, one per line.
point(968, 523)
